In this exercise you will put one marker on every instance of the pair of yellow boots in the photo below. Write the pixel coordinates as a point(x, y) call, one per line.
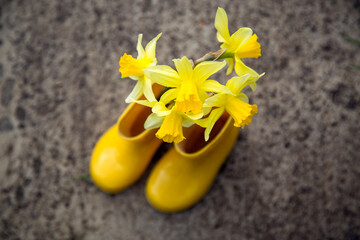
point(180, 178)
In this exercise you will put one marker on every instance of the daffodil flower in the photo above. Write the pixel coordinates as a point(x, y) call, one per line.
point(134, 68)
point(189, 85)
point(242, 44)
point(171, 127)
point(232, 101)
point(168, 119)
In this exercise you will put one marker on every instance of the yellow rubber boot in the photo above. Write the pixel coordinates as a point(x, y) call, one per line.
point(123, 153)
point(185, 174)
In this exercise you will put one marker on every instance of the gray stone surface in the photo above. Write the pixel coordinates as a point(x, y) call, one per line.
point(6, 93)
point(294, 173)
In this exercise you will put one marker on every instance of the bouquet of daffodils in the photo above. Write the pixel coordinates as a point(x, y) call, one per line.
point(190, 96)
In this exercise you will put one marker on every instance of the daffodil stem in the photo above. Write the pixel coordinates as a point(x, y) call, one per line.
point(213, 56)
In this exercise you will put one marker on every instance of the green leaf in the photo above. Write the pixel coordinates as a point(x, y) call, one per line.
point(350, 39)
point(356, 66)
point(82, 177)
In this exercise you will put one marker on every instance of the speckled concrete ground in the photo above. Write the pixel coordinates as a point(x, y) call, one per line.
point(294, 173)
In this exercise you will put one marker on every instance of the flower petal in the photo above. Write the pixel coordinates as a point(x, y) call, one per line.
point(221, 25)
point(151, 46)
point(215, 86)
point(236, 84)
point(135, 78)
point(210, 121)
point(193, 116)
point(160, 109)
point(205, 69)
point(243, 97)
point(130, 66)
point(171, 129)
point(240, 37)
point(250, 49)
point(153, 121)
point(217, 100)
point(253, 84)
point(139, 47)
point(206, 109)
point(136, 92)
point(240, 111)
point(230, 62)
point(184, 68)
point(163, 75)
point(187, 123)
point(143, 102)
point(148, 92)
point(188, 99)
point(203, 95)
point(241, 69)
point(169, 95)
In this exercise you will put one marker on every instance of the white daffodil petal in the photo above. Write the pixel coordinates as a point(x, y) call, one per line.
point(153, 121)
point(221, 25)
point(205, 69)
point(240, 37)
point(139, 47)
point(163, 75)
point(151, 46)
point(136, 92)
point(184, 68)
point(215, 86)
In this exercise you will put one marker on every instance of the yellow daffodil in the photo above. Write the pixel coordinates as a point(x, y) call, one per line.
point(168, 119)
point(134, 68)
point(171, 128)
point(189, 85)
point(170, 122)
point(232, 101)
point(242, 44)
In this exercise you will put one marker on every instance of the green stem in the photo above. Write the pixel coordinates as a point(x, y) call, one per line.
point(213, 56)
point(227, 55)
